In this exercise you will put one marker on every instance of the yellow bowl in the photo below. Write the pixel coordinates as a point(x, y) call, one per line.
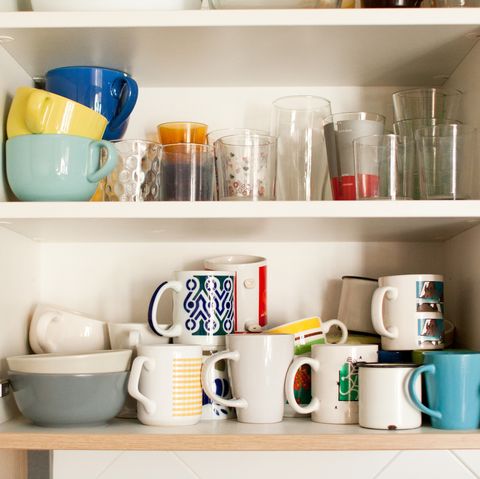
point(36, 111)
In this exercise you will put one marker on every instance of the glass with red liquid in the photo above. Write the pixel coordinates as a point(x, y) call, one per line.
point(384, 167)
point(340, 131)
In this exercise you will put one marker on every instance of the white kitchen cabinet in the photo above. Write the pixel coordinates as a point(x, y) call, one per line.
point(224, 68)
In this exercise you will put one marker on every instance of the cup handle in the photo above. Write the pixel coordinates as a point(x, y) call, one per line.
point(451, 326)
point(335, 322)
point(37, 110)
point(429, 369)
point(133, 381)
point(207, 376)
point(133, 339)
point(377, 311)
point(128, 86)
point(290, 381)
point(95, 151)
point(42, 325)
point(175, 330)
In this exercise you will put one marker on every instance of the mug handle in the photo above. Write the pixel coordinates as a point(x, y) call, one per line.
point(175, 330)
point(129, 87)
point(335, 322)
point(111, 162)
point(42, 325)
point(377, 311)
point(429, 369)
point(290, 382)
point(139, 363)
point(133, 339)
point(37, 110)
point(207, 375)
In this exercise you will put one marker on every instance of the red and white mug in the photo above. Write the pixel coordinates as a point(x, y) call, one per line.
point(250, 289)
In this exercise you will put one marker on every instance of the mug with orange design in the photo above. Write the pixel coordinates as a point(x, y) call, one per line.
point(165, 380)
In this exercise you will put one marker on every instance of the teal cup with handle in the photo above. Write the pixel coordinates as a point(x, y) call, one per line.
point(57, 167)
point(453, 389)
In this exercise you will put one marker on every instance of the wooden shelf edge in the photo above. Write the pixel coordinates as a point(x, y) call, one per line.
point(177, 442)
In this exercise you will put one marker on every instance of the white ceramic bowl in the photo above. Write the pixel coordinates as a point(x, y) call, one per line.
point(113, 5)
point(265, 4)
point(88, 363)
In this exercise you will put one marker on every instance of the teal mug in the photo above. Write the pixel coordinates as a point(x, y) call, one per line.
point(57, 167)
point(453, 389)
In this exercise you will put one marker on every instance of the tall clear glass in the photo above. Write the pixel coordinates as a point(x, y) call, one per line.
point(302, 171)
point(426, 103)
point(449, 166)
point(407, 128)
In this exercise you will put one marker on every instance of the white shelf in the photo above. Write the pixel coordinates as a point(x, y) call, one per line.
point(291, 434)
point(240, 221)
point(360, 47)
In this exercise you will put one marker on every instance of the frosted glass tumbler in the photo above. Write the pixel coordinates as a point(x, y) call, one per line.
point(448, 159)
point(383, 167)
point(302, 172)
point(187, 173)
point(426, 103)
point(246, 167)
point(340, 131)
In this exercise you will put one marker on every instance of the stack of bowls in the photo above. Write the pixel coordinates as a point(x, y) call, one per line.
point(67, 390)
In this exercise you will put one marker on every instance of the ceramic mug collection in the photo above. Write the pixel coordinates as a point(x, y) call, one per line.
point(57, 147)
point(225, 363)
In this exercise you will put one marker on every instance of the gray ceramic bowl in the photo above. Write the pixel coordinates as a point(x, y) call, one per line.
point(69, 399)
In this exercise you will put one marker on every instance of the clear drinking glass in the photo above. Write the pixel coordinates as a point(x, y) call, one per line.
point(340, 131)
point(137, 174)
point(187, 173)
point(448, 159)
point(302, 172)
point(426, 103)
point(246, 167)
point(407, 128)
point(383, 167)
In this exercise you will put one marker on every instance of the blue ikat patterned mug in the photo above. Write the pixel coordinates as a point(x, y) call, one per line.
point(203, 307)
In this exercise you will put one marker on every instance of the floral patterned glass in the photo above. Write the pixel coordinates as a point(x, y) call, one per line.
point(246, 167)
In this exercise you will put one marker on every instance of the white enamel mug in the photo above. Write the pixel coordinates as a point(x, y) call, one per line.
point(257, 366)
point(55, 329)
point(334, 381)
point(165, 380)
point(250, 289)
point(384, 401)
point(407, 311)
point(203, 307)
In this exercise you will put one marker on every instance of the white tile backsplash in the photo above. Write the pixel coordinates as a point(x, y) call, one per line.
point(471, 459)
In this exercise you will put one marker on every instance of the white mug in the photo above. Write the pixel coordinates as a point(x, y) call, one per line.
point(165, 380)
point(384, 401)
point(203, 307)
point(355, 308)
point(250, 289)
point(407, 311)
point(257, 365)
point(59, 330)
point(132, 335)
point(334, 381)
